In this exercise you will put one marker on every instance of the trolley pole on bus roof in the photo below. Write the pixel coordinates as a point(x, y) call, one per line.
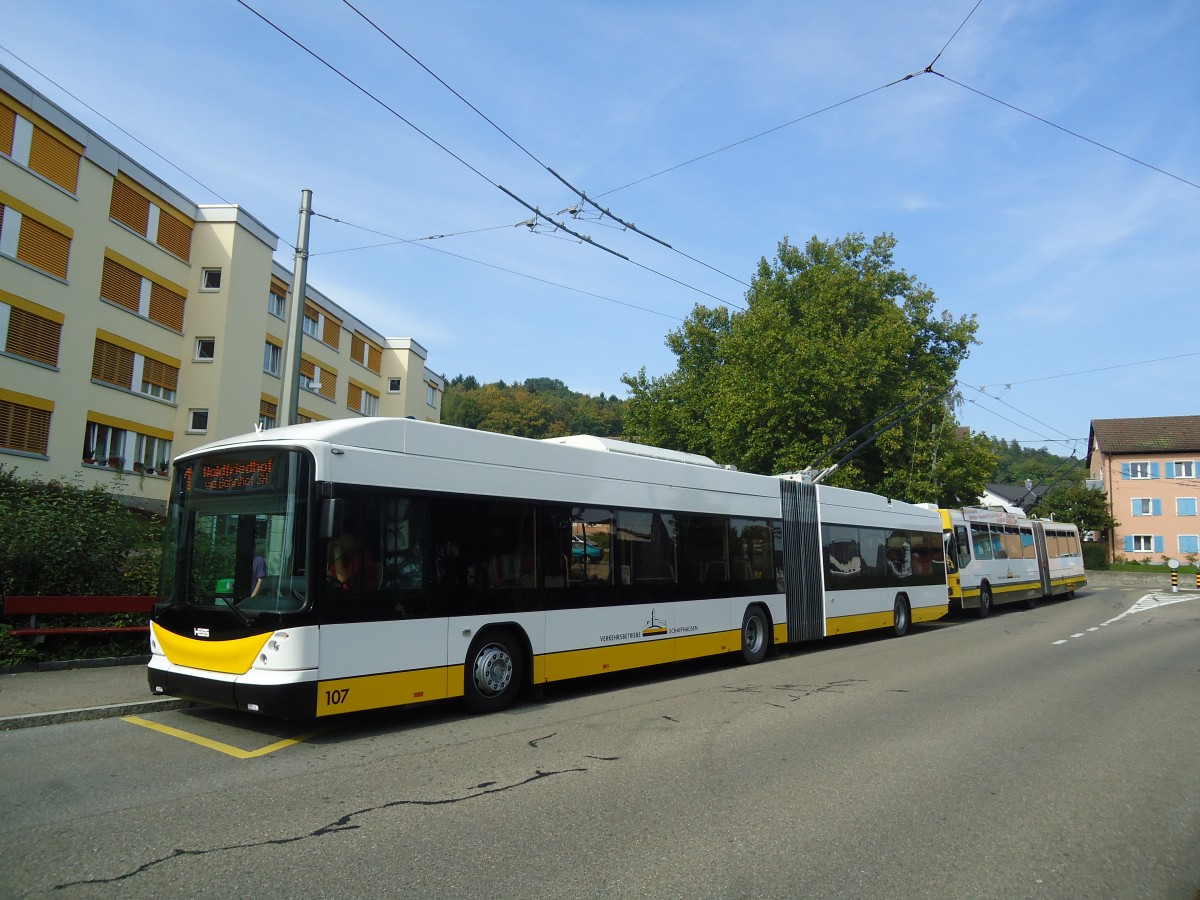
point(290, 413)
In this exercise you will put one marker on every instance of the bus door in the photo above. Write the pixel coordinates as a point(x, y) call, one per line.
point(1043, 558)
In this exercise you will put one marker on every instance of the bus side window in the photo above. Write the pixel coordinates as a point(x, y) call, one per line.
point(982, 541)
point(963, 544)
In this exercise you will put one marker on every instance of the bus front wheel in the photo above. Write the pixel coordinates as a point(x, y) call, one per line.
point(985, 600)
point(494, 670)
point(755, 635)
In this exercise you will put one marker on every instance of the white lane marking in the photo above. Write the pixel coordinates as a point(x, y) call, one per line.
point(1151, 601)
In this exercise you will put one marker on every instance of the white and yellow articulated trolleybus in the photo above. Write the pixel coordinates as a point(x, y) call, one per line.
point(347, 565)
point(999, 556)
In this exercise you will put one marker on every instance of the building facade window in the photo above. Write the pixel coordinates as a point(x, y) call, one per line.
point(24, 423)
point(276, 303)
point(151, 455)
point(394, 385)
point(272, 358)
point(1146, 506)
point(268, 413)
point(206, 349)
point(1189, 543)
point(143, 213)
point(317, 379)
point(118, 364)
point(30, 331)
point(197, 421)
point(1185, 506)
point(1143, 543)
point(1182, 468)
point(1139, 470)
point(210, 279)
point(36, 241)
point(321, 325)
point(361, 399)
point(365, 352)
point(144, 296)
point(38, 147)
point(431, 395)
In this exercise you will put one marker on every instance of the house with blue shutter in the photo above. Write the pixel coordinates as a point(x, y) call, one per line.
point(1150, 470)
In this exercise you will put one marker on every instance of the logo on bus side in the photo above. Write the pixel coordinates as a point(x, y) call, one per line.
point(201, 632)
point(655, 627)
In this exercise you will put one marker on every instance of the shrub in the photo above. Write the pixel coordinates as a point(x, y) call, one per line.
point(1094, 556)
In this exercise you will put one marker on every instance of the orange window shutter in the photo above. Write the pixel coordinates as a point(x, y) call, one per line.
point(268, 409)
point(8, 123)
point(174, 235)
point(358, 347)
point(121, 285)
point(112, 364)
point(328, 384)
point(52, 159)
point(166, 307)
point(332, 332)
point(33, 337)
point(24, 428)
point(354, 397)
point(160, 373)
point(43, 247)
point(375, 359)
point(307, 369)
point(129, 207)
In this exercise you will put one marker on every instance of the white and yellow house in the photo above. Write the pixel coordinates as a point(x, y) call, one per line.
point(136, 324)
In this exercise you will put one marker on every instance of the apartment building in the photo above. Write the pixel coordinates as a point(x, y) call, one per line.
point(136, 324)
point(1150, 469)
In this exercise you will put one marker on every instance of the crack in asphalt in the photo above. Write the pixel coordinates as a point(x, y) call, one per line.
point(340, 824)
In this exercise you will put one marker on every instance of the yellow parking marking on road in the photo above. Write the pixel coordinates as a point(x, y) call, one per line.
point(228, 749)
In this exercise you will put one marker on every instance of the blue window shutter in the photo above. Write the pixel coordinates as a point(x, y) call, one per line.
point(1170, 470)
point(1189, 543)
point(1154, 469)
point(1156, 507)
point(1125, 470)
point(1158, 543)
point(1185, 506)
point(1129, 543)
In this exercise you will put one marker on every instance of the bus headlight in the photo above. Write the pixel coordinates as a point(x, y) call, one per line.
point(288, 650)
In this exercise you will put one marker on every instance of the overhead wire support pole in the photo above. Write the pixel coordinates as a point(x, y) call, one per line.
point(290, 414)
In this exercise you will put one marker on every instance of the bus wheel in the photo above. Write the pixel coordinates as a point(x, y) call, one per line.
point(493, 672)
point(985, 600)
point(755, 635)
point(900, 616)
point(1031, 602)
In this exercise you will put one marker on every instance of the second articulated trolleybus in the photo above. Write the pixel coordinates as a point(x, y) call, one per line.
point(356, 564)
point(1001, 557)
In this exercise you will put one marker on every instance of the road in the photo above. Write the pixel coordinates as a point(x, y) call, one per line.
point(1042, 753)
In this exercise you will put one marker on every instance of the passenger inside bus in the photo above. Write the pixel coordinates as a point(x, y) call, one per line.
point(352, 566)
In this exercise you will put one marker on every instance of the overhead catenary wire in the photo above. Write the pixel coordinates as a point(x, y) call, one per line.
point(604, 211)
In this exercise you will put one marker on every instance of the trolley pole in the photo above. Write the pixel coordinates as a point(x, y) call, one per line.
point(290, 398)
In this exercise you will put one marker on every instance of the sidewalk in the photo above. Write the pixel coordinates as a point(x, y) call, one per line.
point(98, 691)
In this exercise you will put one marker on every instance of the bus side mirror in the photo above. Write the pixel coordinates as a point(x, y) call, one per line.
point(332, 510)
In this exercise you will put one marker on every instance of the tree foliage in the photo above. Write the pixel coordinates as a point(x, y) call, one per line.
point(834, 336)
point(61, 539)
point(536, 408)
point(1078, 503)
point(1015, 464)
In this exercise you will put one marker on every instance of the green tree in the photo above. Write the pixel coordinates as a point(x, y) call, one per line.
point(537, 408)
point(834, 335)
point(1077, 503)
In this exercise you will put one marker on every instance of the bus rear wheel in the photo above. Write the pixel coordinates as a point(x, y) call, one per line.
point(985, 600)
point(901, 617)
point(755, 635)
point(494, 671)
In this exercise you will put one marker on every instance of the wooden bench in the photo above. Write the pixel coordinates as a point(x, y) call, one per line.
point(58, 606)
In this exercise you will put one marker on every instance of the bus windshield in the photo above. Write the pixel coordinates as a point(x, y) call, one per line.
point(237, 536)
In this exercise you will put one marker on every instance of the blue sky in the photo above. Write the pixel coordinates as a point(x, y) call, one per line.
point(1080, 264)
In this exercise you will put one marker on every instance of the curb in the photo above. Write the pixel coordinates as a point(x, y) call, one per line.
point(58, 717)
